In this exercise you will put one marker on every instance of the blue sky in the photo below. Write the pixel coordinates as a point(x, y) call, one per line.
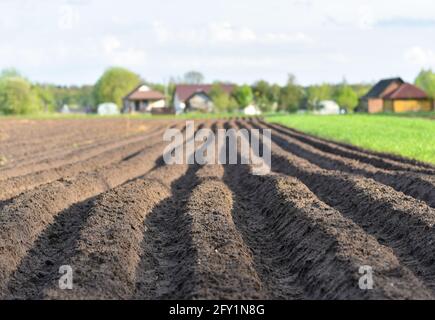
point(73, 41)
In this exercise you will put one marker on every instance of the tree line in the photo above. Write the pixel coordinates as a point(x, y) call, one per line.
point(18, 95)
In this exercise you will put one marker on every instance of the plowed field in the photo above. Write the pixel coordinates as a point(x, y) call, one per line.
point(97, 195)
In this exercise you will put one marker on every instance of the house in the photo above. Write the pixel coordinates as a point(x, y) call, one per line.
point(373, 101)
point(326, 107)
point(407, 98)
point(142, 99)
point(394, 95)
point(195, 97)
point(252, 110)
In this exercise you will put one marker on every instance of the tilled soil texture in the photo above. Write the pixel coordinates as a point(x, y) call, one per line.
point(97, 196)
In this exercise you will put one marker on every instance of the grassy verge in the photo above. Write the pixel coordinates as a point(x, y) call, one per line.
point(409, 137)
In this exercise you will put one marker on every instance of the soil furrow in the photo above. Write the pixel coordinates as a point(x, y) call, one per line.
point(74, 156)
point(308, 250)
point(21, 155)
point(115, 219)
point(394, 219)
point(132, 227)
point(112, 243)
point(413, 184)
point(71, 132)
point(124, 152)
point(215, 264)
point(22, 220)
point(107, 247)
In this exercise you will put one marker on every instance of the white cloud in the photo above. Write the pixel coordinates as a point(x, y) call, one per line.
point(339, 57)
point(241, 62)
point(281, 37)
point(226, 32)
point(366, 18)
point(110, 44)
point(116, 54)
point(74, 40)
point(161, 31)
point(130, 57)
point(420, 56)
point(217, 33)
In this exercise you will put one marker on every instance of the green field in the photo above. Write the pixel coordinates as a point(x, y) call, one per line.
point(409, 137)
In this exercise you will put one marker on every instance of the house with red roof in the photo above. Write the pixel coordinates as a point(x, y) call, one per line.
point(407, 98)
point(192, 97)
point(144, 100)
point(395, 95)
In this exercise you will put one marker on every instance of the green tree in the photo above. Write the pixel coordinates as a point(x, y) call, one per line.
point(266, 96)
point(361, 89)
point(243, 95)
point(426, 81)
point(346, 97)
point(16, 96)
point(291, 95)
point(193, 77)
point(10, 73)
point(45, 97)
point(114, 84)
point(74, 96)
point(317, 93)
point(222, 101)
point(261, 90)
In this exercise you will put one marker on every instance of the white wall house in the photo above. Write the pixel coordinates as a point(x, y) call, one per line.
point(196, 97)
point(179, 105)
point(143, 100)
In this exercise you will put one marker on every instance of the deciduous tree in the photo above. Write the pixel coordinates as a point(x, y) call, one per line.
point(193, 77)
point(243, 95)
point(346, 97)
point(115, 84)
point(426, 81)
point(16, 96)
point(291, 95)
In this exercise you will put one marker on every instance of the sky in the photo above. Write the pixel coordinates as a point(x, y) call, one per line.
point(73, 41)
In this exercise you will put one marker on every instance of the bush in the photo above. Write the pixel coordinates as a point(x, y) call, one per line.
point(17, 96)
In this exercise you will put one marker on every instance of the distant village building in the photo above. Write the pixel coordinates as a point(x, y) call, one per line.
point(189, 98)
point(407, 98)
point(327, 107)
point(396, 96)
point(252, 110)
point(144, 100)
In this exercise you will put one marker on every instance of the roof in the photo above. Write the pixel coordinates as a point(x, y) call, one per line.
point(379, 88)
point(407, 91)
point(185, 91)
point(142, 92)
point(146, 95)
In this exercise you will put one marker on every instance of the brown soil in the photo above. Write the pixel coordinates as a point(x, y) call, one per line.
point(97, 195)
